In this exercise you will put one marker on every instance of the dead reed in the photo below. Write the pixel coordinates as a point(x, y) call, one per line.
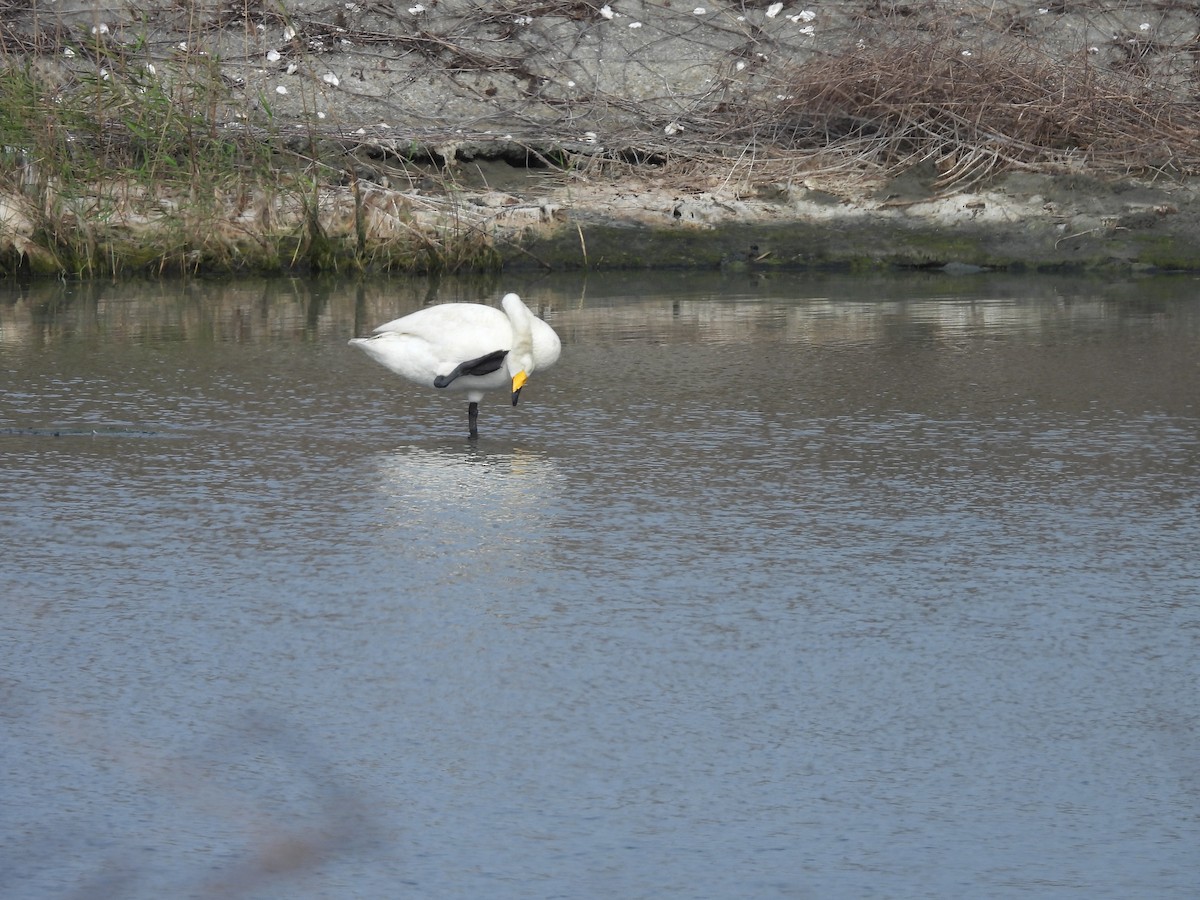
point(886, 100)
point(900, 102)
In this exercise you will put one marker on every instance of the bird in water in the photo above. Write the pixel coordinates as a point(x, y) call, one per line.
point(469, 348)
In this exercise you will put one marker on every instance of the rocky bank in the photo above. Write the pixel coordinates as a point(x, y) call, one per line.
point(651, 134)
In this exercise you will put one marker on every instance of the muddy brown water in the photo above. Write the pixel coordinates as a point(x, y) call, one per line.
point(797, 587)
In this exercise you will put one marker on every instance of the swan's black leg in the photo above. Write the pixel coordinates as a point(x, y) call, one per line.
point(473, 419)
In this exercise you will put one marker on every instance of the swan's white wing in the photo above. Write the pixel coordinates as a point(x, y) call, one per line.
point(458, 331)
point(434, 340)
point(409, 357)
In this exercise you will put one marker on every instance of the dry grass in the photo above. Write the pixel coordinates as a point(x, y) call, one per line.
point(910, 95)
point(900, 103)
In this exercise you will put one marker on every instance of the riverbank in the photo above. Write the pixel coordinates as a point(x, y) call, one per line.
point(560, 135)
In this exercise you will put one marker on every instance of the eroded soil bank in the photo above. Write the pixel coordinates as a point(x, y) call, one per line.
point(555, 134)
point(1029, 222)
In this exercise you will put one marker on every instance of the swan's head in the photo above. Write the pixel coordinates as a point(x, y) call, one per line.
point(519, 361)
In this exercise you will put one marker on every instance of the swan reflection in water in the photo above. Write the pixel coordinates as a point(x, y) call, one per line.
point(476, 503)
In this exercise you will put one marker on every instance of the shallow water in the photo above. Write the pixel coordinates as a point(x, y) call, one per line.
point(799, 587)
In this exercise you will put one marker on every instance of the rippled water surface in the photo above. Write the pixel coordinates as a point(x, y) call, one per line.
point(785, 588)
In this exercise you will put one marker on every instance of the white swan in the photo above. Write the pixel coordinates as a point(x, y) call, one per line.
point(466, 347)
